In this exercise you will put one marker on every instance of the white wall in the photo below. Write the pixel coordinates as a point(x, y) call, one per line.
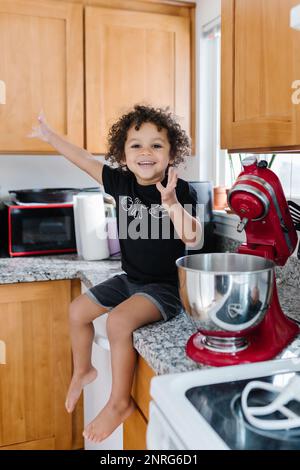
point(196, 168)
point(17, 172)
point(40, 171)
point(53, 171)
point(208, 10)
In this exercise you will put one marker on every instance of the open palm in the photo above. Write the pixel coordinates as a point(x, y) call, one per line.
point(42, 131)
point(168, 193)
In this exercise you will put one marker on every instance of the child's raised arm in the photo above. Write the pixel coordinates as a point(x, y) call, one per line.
point(77, 155)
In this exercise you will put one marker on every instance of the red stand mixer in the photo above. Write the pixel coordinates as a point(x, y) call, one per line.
point(257, 198)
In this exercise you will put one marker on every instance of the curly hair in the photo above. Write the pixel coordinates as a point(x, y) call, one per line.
point(180, 146)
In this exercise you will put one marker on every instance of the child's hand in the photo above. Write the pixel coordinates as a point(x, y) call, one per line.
point(168, 193)
point(42, 131)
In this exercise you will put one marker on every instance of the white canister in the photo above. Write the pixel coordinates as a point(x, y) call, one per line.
point(112, 230)
point(112, 234)
point(90, 226)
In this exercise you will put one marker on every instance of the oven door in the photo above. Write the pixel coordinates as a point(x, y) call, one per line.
point(41, 229)
point(160, 434)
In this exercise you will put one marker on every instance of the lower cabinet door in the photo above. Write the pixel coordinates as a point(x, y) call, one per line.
point(35, 378)
point(134, 437)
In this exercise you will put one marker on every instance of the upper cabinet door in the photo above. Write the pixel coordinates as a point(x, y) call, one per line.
point(260, 63)
point(134, 57)
point(42, 67)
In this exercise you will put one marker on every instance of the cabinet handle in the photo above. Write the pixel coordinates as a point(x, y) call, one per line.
point(2, 352)
point(2, 92)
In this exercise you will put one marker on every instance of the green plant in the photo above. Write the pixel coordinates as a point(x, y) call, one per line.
point(270, 163)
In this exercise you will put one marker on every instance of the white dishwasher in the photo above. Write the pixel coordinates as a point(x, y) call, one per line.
point(96, 394)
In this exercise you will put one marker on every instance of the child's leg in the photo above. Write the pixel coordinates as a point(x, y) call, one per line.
point(82, 313)
point(122, 321)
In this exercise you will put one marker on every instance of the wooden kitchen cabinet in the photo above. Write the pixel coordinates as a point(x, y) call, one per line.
point(86, 62)
point(36, 376)
point(135, 427)
point(260, 63)
point(134, 57)
point(42, 67)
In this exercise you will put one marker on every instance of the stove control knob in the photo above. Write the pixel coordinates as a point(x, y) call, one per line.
point(262, 164)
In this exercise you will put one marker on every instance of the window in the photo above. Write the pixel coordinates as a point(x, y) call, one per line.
point(287, 168)
point(217, 167)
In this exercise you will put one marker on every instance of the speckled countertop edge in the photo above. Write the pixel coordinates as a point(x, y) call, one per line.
point(161, 344)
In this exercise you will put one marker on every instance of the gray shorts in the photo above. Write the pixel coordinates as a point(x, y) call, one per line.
point(118, 288)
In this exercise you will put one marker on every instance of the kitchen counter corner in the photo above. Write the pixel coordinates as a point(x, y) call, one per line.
point(161, 344)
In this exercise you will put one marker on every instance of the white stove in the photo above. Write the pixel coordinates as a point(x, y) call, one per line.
point(201, 410)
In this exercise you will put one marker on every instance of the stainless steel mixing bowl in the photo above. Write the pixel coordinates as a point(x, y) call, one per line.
point(226, 295)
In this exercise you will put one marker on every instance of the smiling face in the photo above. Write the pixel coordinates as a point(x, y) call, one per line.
point(147, 153)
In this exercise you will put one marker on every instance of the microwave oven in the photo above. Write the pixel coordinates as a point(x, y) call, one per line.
point(37, 229)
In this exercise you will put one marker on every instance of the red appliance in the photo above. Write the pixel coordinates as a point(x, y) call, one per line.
point(258, 199)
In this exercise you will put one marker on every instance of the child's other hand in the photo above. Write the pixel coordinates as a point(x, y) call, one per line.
point(168, 193)
point(42, 131)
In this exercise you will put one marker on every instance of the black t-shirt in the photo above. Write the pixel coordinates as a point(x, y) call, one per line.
point(148, 241)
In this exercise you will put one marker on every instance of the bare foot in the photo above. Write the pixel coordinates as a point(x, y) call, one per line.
point(107, 421)
point(76, 386)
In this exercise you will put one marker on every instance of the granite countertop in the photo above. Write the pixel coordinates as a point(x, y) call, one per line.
point(161, 344)
point(51, 268)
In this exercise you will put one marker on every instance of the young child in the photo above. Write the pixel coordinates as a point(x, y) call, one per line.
point(146, 144)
